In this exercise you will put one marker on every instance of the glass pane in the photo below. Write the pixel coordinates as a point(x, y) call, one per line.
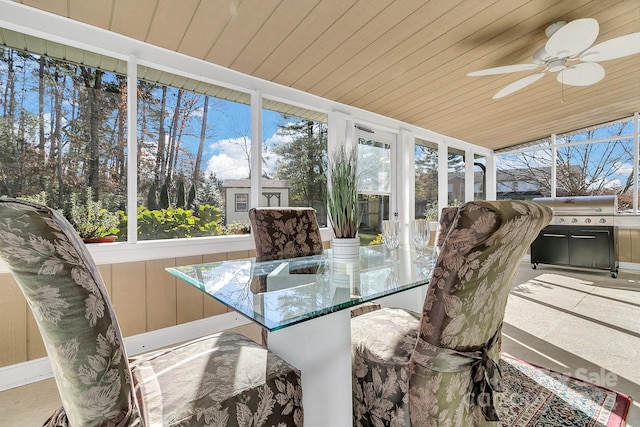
point(294, 156)
point(541, 144)
point(194, 160)
point(374, 209)
point(374, 166)
point(426, 173)
point(63, 137)
point(597, 169)
point(456, 176)
point(613, 130)
point(479, 178)
point(524, 176)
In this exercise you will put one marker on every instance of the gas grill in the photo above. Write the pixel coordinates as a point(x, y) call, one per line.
point(581, 210)
point(582, 233)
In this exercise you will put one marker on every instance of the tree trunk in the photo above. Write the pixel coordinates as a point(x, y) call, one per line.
point(173, 136)
point(41, 141)
point(203, 134)
point(160, 165)
point(93, 84)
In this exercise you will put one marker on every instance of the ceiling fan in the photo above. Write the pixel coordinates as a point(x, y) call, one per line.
point(568, 53)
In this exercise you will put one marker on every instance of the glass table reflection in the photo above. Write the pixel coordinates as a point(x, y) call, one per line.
point(304, 304)
point(280, 293)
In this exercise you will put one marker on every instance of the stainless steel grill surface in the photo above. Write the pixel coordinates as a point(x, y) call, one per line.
point(582, 210)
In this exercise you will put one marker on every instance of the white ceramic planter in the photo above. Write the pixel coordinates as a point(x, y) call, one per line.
point(345, 250)
point(346, 266)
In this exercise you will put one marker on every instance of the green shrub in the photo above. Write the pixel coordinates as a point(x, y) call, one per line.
point(172, 223)
point(90, 219)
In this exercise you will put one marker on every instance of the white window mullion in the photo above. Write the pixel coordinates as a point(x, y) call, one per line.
point(443, 177)
point(132, 150)
point(491, 177)
point(554, 159)
point(256, 149)
point(469, 175)
point(636, 159)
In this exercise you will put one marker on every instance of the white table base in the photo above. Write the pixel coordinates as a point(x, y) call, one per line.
point(321, 349)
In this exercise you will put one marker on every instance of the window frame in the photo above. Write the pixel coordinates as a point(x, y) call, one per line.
point(238, 202)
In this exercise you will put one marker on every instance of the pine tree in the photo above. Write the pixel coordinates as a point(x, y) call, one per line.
point(152, 197)
point(164, 196)
point(181, 196)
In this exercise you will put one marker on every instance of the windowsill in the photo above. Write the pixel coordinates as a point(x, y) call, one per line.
point(118, 252)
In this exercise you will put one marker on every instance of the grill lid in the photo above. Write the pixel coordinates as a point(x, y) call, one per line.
point(581, 205)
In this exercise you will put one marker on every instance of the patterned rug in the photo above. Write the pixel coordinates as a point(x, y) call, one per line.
point(535, 396)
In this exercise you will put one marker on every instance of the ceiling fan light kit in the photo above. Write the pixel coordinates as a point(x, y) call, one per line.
point(569, 53)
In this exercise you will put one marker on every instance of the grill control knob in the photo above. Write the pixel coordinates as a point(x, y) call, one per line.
point(561, 220)
point(587, 220)
point(574, 220)
point(602, 220)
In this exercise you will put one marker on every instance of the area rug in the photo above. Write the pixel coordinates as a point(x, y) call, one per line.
point(536, 396)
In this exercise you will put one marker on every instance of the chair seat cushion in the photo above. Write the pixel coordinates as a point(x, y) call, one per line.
point(381, 343)
point(387, 334)
point(222, 379)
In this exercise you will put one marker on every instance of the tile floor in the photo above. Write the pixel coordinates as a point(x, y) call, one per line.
point(574, 321)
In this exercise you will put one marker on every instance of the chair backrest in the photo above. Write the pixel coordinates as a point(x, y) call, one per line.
point(446, 221)
point(69, 301)
point(285, 232)
point(467, 295)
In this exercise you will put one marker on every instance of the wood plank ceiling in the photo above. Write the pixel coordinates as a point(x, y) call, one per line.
point(405, 59)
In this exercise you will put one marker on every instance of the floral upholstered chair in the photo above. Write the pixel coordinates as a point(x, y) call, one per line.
point(285, 232)
point(439, 368)
point(223, 379)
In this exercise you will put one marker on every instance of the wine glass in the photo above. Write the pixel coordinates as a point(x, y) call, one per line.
point(391, 237)
point(420, 235)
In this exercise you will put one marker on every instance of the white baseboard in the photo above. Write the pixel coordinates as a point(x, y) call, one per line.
point(630, 266)
point(39, 369)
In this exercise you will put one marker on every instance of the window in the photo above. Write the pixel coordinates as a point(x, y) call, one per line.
point(375, 180)
point(597, 161)
point(456, 176)
point(593, 161)
point(63, 132)
point(426, 176)
point(294, 157)
point(242, 202)
point(526, 175)
point(191, 143)
point(479, 177)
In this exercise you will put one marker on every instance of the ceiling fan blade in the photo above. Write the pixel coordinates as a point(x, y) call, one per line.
point(573, 38)
point(613, 49)
point(518, 84)
point(583, 74)
point(504, 70)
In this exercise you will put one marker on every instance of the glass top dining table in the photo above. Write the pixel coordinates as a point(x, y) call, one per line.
point(280, 293)
point(304, 304)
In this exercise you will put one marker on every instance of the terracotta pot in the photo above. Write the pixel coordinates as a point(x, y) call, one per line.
point(105, 239)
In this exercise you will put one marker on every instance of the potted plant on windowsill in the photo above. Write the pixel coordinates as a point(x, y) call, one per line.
point(92, 221)
point(343, 201)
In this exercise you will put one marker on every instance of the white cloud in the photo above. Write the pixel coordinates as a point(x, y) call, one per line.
point(624, 168)
point(230, 162)
point(271, 158)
